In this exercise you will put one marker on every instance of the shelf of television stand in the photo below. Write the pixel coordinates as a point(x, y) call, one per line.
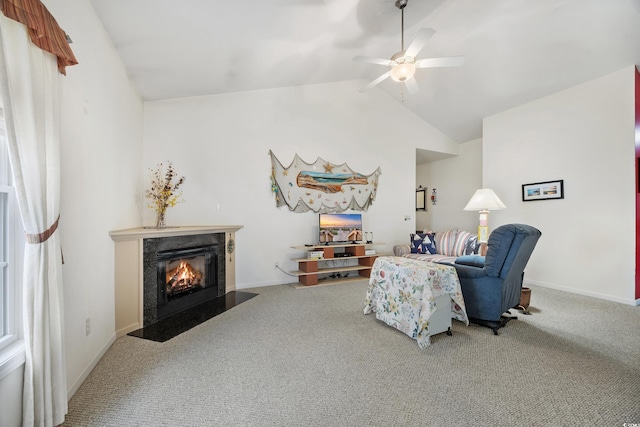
point(309, 270)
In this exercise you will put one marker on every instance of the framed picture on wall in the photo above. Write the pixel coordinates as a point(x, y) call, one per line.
point(543, 190)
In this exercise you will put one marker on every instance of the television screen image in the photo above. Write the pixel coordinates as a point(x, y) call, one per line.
point(340, 228)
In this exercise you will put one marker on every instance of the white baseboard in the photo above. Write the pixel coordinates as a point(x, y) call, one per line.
point(260, 284)
point(127, 329)
point(83, 376)
point(583, 292)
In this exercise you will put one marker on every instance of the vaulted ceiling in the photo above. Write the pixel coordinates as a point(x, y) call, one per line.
point(515, 50)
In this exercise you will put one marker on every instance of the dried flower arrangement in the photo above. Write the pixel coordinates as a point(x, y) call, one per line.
point(163, 192)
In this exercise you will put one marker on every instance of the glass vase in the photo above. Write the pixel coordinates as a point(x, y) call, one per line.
point(160, 220)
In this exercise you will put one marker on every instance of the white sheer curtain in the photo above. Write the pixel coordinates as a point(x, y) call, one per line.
point(30, 88)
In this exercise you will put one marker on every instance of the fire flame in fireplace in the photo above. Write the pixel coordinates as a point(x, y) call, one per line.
point(183, 278)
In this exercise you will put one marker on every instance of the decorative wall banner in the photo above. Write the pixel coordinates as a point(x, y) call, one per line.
point(321, 186)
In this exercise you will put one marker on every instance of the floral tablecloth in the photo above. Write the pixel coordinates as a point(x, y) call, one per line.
point(402, 291)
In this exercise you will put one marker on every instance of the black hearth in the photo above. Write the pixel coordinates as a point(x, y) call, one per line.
point(174, 325)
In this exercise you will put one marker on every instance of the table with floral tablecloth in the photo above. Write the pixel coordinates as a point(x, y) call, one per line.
point(402, 293)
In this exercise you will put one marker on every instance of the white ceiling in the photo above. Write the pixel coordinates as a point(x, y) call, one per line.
point(515, 50)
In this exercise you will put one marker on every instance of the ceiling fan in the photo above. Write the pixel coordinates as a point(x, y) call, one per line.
point(403, 64)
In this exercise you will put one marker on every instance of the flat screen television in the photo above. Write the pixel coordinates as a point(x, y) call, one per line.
point(340, 228)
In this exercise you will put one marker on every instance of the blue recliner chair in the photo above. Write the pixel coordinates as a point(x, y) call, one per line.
point(491, 285)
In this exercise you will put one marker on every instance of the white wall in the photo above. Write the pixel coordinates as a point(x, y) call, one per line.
point(101, 163)
point(585, 136)
point(455, 179)
point(11, 398)
point(221, 144)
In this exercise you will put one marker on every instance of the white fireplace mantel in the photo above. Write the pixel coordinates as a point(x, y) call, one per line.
point(151, 232)
point(129, 267)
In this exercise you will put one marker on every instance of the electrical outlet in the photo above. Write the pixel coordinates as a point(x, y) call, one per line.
point(87, 326)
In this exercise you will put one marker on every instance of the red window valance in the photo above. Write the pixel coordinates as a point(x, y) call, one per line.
point(43, 28)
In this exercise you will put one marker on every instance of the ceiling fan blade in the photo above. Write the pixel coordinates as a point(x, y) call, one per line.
point(451, 61)
point(370, 60)
point(411, 85)
point(424, 34)
point(376, 81)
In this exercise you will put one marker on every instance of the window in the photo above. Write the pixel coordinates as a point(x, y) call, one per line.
point(8, 248)
point(4, 240)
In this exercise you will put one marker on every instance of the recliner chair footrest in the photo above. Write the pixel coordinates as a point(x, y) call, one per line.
point(493, 324)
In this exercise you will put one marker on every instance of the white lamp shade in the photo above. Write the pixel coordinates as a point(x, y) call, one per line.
point(484, 199)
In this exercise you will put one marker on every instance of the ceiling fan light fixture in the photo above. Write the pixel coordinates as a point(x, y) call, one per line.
point(403, 70)
point(402, 65)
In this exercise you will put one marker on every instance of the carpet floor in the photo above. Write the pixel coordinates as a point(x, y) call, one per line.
point(310, 357)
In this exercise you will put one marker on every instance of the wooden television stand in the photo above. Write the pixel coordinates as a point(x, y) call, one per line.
point(309, 268)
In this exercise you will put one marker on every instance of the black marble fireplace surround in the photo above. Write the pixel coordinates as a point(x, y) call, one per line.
point(152, 246)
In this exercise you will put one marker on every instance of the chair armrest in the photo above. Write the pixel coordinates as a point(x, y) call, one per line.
point(468, 272)
point(399, 250)
point(471, 260)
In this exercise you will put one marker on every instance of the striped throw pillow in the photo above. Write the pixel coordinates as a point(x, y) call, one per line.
point(460, 245)
point(445, 242)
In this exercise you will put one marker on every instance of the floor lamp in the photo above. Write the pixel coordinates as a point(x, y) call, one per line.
point(484, 200)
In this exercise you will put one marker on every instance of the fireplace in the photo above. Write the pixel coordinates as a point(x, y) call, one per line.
point(136, 267)
point(186, 277)
point(181, 272)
